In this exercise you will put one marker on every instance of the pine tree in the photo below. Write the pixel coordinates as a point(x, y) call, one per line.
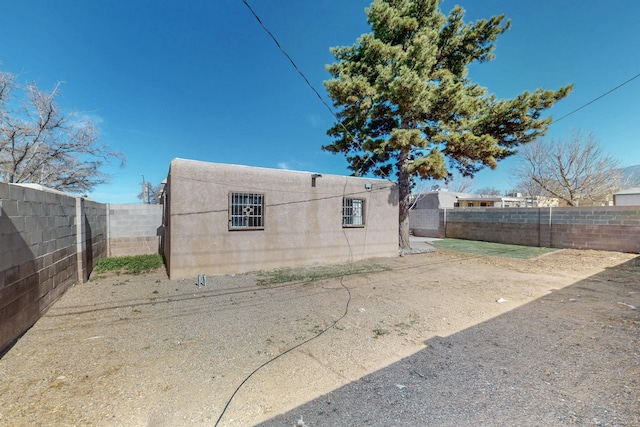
point(407, 106)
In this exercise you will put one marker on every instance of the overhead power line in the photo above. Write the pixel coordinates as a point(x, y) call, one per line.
point(595, 99)
point(255, 15)
point(335, 116)
point(264, 27)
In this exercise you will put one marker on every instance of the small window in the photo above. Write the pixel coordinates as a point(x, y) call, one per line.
point(246, 211)
point(483, 204)
point(469, 204)
point(352, 212)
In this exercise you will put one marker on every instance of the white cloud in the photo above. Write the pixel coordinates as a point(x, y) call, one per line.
point(95, 118)
point(85, 121)
point(283, 165)
point(314, 120)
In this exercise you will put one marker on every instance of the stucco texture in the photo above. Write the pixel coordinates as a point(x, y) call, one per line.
point(302, 219)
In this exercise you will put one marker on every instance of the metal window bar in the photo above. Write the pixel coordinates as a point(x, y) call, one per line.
point(352, 212)
point(247, 210)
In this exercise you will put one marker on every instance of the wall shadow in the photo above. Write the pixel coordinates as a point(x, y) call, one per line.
point(89, 241)
point(570, 357)
point(160, 235)
point(19, 280)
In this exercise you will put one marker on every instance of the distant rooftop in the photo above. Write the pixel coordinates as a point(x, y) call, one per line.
point(634, 190)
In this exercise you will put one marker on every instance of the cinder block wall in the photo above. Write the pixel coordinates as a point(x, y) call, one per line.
point(38, 259)
point(427, 222)
point(615, 228)
point(91, 238)
point(517, 226)
point(134, 229)
point(50, 240)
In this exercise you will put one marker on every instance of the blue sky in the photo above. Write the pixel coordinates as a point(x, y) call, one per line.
point(202, 80)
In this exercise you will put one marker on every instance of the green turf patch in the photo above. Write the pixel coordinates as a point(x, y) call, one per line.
point(283, 275)
point(129, 264)
point(491, 249)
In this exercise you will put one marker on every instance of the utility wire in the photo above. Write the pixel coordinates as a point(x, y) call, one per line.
point(255, 15)
point(264, 27)
point(346, 311)
point(335, 115)
point(596, 99)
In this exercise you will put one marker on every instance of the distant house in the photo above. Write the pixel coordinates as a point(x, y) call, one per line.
point(424, 217)
point(443, 199)
point(511, 201)
point(438, 199)
point(486, 201)
point(490, 201)
point(222, 218)
point(629, 197)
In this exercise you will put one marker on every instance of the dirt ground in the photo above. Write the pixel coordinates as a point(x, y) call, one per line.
point(440, 338)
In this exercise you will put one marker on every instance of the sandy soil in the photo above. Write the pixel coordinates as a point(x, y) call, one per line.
point(429, 339)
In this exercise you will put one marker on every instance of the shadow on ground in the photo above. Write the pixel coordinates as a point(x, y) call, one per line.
point(549, 362)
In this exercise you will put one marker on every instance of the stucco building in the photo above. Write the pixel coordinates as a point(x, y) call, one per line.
point(222, 218)
point(440, 199)
point(424, 217)
point(628, 197)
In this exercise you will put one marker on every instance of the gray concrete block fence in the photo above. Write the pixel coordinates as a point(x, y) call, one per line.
point(613, 228)
point(50, 240)
point(134, 229)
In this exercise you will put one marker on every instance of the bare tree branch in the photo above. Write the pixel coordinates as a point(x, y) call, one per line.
point(460, 184)
point(150, 193)
point(573, 170)
point(41, 144)
point(488, 191)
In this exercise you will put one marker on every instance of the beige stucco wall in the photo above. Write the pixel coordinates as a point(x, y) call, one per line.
point(303, 224)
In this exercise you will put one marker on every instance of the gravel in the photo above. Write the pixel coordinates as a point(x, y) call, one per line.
point(415, 340)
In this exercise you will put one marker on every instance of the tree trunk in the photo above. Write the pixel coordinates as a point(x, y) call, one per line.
point(404, 193)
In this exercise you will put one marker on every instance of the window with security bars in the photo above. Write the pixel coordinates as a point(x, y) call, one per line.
point(246, 211)
point(352, 212)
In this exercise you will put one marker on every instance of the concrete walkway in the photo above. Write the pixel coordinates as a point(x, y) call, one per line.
point(422, 244)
